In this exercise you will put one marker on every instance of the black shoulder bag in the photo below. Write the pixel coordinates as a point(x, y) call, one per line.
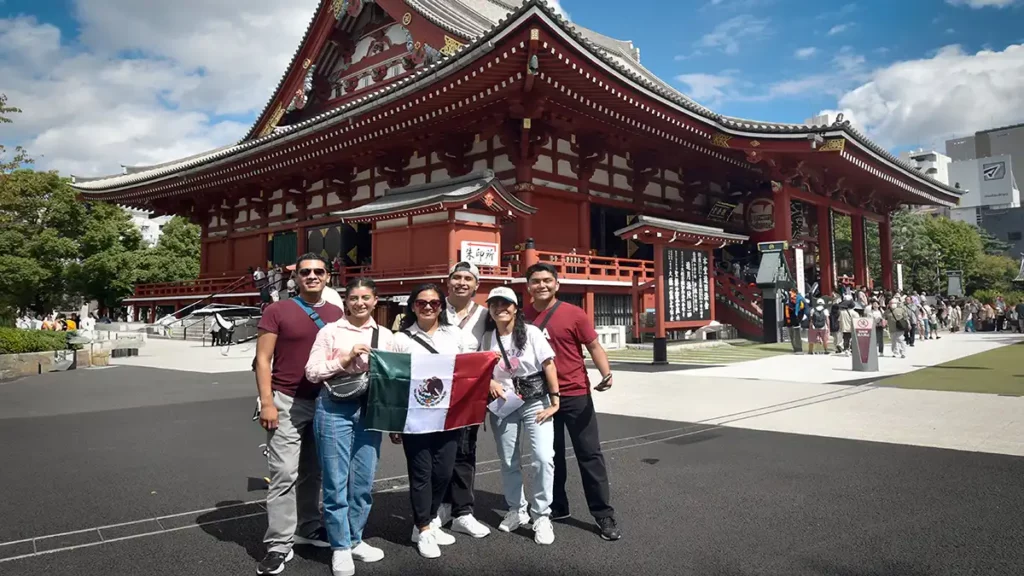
point(348, 387)
point(420, 341)
point(532, 387)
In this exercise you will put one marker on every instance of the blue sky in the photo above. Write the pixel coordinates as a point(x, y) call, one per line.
point(105, 82)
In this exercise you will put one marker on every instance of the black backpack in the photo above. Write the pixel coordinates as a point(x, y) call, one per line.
point(818, 319)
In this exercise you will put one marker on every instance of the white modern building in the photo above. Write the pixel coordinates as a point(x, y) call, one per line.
point(930, 162)
point(989, 187)
point(151, 228)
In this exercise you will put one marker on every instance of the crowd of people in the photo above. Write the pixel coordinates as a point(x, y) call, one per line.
point(56, 322)
point(904, 318)
point(319, 445)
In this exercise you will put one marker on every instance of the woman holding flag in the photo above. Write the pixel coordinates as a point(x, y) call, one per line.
point(525, 376)
point(348, 450)
point(430, 457)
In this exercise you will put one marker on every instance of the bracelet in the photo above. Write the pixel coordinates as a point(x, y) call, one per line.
point(555, 394)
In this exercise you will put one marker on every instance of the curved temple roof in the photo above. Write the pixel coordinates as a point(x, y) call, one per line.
point(435, 196)
point(471, 16)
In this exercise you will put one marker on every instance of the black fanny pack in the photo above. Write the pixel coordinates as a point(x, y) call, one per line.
point(349, 387)
point(532, 387)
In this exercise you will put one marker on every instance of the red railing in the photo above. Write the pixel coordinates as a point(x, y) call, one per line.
point(736, 293)
point(198, 288)
point(587, 267)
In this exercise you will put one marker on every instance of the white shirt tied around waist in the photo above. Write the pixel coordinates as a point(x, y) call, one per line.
point(445, 340)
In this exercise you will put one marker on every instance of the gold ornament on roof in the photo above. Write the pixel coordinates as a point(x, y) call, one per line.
point(833, 145)
point(451, 46)
point(406, 18)
point(755, 143)
point(272, 122)
point(721, 140)
point(339, 7)
point(306, 63)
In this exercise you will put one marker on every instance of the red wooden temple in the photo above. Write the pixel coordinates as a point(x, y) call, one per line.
point(409, 134)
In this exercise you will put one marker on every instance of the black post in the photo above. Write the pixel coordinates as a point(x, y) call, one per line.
point(770, 315)
point(661, 351)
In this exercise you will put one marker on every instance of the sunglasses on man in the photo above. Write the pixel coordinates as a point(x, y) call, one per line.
point(318, 272)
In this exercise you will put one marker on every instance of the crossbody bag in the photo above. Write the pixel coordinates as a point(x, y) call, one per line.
point(532, 387)
point(343, 387)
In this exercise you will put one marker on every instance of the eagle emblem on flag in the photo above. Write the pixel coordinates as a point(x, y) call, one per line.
point(431, 392)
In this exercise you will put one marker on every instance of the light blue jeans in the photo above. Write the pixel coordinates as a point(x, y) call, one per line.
point(348, 460)
point(539, 443)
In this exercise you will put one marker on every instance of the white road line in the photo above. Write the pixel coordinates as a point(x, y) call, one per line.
point(684, 431)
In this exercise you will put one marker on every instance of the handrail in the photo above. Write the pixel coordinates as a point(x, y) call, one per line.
point(739, 293)
point(197, 286)
point(238, 282)
point(586, 266)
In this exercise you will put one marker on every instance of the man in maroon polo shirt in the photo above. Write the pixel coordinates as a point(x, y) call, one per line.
point(568, 330)
point(287, 404)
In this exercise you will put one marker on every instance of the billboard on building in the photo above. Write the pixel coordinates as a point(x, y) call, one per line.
point(987, 182)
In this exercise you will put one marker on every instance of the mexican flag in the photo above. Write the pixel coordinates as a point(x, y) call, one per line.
point(417, 394)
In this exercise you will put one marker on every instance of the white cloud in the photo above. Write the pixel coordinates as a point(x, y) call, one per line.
point(838, 29)
point(805, 53)
point(727, 35)
point(976, 4)
point(144, 82)
point(707, 88)
point(928, 100)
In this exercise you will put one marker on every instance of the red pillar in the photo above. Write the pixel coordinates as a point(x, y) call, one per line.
point(588, 305)
point(885, 244)
point(583, 239)
point(204, 247)
point(825, 250)
point(302, 240)
point(783, 216)
point(859, 261)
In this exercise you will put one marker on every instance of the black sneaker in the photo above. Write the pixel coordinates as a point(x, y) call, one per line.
point(609, 529)
point(273, 562)
point(560, 514)
point(316, 538)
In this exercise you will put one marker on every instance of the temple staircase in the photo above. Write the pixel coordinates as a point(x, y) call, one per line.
point(738, 304)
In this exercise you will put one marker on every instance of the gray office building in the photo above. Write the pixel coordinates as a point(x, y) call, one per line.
point(990, 150)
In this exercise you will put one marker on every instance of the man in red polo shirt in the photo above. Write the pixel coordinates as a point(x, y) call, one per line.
point(568, 330)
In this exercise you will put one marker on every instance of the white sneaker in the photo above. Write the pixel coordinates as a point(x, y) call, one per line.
point(543, 533)
point(341, 563)
point(444, 514)
point(469, 525)
point(513, 520)
point(366, 553)
point(427, 545)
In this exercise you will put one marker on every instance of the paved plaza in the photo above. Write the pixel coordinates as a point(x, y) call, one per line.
point(153, 467)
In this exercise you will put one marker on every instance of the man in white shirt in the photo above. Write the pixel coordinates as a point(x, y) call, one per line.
point(469, 316)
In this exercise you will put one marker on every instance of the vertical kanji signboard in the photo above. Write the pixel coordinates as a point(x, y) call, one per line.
point(687, 285)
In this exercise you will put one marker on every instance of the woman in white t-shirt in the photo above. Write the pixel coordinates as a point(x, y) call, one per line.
point(526, 369)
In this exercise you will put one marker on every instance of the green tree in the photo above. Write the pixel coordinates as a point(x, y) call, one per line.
point(959, 244)
point(175, 257)
point(20, 156)
point(992, 272)
point(992, 245)
point(39, 224)
point(913, 246)
point(110, 250)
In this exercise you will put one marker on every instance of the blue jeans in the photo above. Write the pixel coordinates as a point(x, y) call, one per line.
point(348, 460)
point(519, 431)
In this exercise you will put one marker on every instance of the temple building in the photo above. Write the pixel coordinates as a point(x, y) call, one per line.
point(407, 135)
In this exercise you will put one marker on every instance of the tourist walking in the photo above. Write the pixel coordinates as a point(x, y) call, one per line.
point(878, 317)
point(896, 318)
point(348, 451)
point(818, 327)
point(464, 312)
point(287, 402)
point(430, 457)
point(527, 370)
point(569, 330)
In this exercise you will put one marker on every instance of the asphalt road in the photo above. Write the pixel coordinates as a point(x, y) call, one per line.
point(143, 471)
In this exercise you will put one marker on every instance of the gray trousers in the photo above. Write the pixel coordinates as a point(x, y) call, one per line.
point(293, 499)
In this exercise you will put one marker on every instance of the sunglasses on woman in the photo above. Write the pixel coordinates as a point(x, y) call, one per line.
point(425, 304)
point(319, 272)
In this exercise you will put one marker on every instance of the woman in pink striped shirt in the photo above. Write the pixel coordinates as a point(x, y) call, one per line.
point(348, 451)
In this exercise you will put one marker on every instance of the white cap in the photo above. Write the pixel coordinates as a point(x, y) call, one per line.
point(466, 267)
point(505, 293)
